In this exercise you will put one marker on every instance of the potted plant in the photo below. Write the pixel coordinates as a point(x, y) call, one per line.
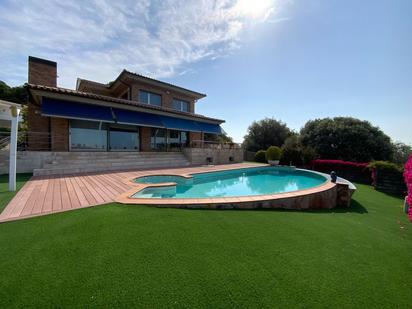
point(273, 154)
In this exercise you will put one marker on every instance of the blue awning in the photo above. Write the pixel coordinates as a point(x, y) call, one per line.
point(74, 110)
point(179, 124)
point(209, 128)
point(137, 118)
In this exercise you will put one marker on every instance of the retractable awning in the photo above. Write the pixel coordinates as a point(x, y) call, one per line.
point(209, 127)
point(137, 118)
point(74, 110)
point(179, 124)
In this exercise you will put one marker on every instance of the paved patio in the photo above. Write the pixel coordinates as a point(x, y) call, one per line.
point(43, 195)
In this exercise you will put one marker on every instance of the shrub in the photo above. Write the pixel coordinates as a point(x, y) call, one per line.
point(293, 152)
point(385, 165)
point(352, 171)
point(407, 174)
point(273, 153)
point(387, 177)
point(260, 156)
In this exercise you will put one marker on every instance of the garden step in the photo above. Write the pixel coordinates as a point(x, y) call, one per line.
point(72, 162)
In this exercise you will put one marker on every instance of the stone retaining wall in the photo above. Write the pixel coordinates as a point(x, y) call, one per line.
point(27, 161)
point(201, 156)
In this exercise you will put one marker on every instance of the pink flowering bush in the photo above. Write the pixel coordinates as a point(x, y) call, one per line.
point(350, 170)
point(338, 163)
point(407, 174)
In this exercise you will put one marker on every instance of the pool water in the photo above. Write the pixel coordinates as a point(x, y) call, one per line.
point(240, 182)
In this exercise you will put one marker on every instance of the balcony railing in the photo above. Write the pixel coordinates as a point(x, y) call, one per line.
point(38, 141)
point(44, 141)
point(213, 145)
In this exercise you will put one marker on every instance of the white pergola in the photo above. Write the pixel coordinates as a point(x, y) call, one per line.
point(10, 117)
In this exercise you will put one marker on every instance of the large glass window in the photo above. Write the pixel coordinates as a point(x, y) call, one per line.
point(88, 135)
point(177, 139)
point(158, 139)
point(180, 105)
point(150, 98)
point(123, 138)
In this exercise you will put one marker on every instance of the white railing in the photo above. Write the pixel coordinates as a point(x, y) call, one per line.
point(213, 145)
point(4, 140)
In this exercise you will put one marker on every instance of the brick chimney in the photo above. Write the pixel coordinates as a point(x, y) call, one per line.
point(42, 72)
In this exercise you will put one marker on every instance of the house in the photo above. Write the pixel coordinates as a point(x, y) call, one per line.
point(134, 114)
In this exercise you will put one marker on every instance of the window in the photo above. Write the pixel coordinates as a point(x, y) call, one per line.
point(123, 138)
point(150, 98)
point(88, 135)
point(171, 140)
point(177, 139)
point(180, 105)
point(158, 139)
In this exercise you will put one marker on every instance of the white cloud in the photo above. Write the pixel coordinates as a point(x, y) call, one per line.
point(97, 39)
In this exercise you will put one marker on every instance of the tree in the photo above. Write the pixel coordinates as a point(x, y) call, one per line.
point(401, 152)
point(293, 152)
point(218, 138)
point(346, 138)
point(16, 94)
point(265, 133)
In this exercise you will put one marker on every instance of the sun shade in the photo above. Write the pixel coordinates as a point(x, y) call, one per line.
point(179, 124)
point(138, 118)
point(67, 109)
point(209, 128)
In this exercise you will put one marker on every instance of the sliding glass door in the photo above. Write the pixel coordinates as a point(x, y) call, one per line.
point(123, 138)
point(100, 136)
point(88, 135)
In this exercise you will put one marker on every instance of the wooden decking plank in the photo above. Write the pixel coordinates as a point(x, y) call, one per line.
point(74, 200)
point(83, 189)
point(18, 199)
point(103, 192)
point(57, 197)
point(114, 191)
point(48, 200)
point(41, 197)
point(31, 201)
point(92, 191)
point(120, 187)
point(18, 208)
point(66, 202)
point(79, 193)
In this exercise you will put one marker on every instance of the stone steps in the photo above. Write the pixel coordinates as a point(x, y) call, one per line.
point(96, 162)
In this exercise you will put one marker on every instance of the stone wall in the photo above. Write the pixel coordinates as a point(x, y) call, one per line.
point(200, 156)
point(27, 161)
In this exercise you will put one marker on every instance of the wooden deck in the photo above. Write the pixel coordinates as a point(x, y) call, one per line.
point(43, 195)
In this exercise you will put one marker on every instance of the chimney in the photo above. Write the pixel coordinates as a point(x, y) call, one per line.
point(42, 72)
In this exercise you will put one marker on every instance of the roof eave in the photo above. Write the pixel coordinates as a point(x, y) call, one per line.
point(39, 90)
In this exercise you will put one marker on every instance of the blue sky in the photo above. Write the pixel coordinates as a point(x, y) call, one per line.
point(291, 60)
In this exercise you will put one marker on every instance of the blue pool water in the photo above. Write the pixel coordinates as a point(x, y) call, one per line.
point(241, 182)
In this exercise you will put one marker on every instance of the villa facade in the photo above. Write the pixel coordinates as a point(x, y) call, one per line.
point(132, 113)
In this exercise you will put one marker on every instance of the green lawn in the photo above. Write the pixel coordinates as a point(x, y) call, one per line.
point(116, 255)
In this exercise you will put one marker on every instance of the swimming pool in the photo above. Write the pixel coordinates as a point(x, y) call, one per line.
point(229, 183)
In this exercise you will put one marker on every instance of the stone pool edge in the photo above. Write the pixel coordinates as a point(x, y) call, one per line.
point(325, 196)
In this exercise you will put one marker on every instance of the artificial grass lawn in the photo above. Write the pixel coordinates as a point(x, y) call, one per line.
point(117, 255)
